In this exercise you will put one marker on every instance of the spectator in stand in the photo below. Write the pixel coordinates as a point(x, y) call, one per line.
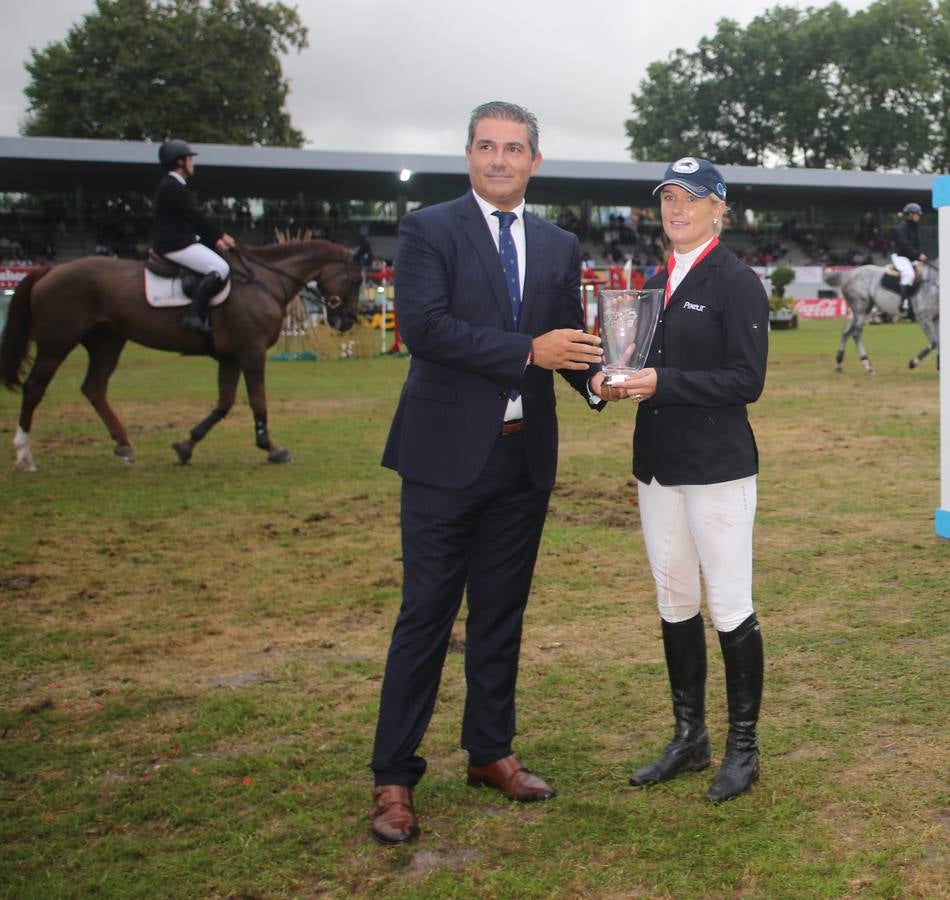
point(364, 256)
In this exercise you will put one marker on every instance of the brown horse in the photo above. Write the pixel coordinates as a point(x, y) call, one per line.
point(99, 302)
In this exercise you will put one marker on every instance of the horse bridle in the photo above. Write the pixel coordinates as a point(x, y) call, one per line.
point(333, 302)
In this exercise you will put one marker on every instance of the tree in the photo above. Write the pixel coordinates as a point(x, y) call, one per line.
point(665, 123)
point(152, 69)
point(814, 87)
point(941, 104)
point(889, 83)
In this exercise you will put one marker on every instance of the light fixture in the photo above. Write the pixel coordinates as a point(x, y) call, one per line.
point(405, 174)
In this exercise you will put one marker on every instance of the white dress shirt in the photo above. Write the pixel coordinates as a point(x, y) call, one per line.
point(514, 409)
point(683, 262)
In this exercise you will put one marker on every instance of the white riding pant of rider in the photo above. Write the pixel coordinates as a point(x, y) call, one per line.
point(905, 267)
point(689, 527)
point(200, 258)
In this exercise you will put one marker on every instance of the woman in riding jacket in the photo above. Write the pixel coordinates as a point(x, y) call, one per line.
point(695, 461)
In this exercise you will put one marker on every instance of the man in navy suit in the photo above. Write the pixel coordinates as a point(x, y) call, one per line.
point(489, 306)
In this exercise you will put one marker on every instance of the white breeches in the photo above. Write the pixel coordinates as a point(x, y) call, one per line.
point(905, 267)
point(708, 527)
point(199, 258)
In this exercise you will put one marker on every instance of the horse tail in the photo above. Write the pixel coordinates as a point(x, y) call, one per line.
point(15, 342)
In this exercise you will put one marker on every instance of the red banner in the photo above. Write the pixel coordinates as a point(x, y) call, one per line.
point(10, 278)
point(822, 308)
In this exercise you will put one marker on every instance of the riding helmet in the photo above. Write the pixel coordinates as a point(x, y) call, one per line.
point(912, 208)
point(172, 151)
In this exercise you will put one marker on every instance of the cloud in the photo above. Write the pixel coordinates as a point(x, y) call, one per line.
point(384, 75)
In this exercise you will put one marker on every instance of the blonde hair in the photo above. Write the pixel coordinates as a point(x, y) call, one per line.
point(719, 221)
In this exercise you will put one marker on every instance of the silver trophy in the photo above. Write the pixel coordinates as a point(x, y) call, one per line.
point(626, 321)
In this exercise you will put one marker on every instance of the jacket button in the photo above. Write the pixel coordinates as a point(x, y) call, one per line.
point(502, 395)
point(659, 352)
point(656, 412)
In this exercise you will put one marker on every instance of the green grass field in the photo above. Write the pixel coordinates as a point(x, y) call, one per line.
point(190, 657)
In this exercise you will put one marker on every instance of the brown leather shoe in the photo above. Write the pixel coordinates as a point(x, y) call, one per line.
point(394, 819)
point(512, 779)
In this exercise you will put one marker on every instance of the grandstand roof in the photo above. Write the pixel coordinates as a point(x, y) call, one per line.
point(40, 165)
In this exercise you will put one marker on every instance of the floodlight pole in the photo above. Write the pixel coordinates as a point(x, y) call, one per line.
point(941, 202)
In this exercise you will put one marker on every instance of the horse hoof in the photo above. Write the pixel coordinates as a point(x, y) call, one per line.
point(125, 453)
point(912, 364)
point(183, 449)
point(279, 455)
point(839, 369)
point(25, 465)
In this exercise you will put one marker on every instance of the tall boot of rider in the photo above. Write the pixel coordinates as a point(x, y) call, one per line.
point(684, 645)
point(907, 308)
point(196, 318)
point(744, 657)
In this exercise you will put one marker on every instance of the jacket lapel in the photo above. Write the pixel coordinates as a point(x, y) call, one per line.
point(696, 276)
point(476, 231)
point(535, 248)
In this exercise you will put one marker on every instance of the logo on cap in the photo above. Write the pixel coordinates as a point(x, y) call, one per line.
point(685, 166)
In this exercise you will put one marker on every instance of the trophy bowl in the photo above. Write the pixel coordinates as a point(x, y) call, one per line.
point(626, 321)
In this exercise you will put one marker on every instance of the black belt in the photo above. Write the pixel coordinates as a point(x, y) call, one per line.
point(512, 427)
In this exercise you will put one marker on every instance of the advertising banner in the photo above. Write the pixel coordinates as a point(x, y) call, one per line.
point(11, 277)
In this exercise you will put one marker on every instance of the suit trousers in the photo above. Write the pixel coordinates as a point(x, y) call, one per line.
point(689, 527)
point(482, 539)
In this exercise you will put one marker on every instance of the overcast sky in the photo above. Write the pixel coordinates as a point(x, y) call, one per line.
point(384, 75)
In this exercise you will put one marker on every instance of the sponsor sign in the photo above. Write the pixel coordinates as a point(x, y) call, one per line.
point(10, 278)
point(822, 308)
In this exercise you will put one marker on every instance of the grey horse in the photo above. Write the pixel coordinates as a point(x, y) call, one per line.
point(862, 290)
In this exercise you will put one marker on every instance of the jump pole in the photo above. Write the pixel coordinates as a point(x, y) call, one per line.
point(941, 202)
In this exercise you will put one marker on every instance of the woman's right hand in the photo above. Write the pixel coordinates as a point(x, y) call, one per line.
point(640, 385)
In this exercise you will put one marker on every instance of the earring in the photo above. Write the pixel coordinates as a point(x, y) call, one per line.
point(715, 221)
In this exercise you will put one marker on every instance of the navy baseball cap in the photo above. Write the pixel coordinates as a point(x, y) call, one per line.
point(698, 176)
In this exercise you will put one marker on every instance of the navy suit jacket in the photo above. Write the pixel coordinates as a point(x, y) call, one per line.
point(178, 222)
point(455, 316)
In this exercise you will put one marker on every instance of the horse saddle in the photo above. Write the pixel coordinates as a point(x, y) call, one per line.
point(891, 280)
point(169, 284)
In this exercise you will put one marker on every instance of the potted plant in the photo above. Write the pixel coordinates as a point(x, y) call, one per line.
point(781, 310)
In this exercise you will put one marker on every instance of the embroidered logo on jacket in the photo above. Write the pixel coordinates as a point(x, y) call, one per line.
point(696, 307)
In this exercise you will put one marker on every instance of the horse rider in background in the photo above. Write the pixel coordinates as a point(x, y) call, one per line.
point(906, 247)
point(185, 235)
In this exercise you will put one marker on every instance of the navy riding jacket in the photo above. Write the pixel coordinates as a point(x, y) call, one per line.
point(709, 350)
point(178, 221)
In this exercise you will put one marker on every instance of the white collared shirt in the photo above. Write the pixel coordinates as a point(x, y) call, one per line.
point(683, 262)
point(179, 177)
point(514, 410)
point(517, 231)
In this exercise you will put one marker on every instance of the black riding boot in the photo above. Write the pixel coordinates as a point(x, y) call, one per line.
point(195, 319)
point(685, 646)
point(907, 308)
point(742, 652)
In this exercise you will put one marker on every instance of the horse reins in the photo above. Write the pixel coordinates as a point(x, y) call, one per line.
point(332, 302)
